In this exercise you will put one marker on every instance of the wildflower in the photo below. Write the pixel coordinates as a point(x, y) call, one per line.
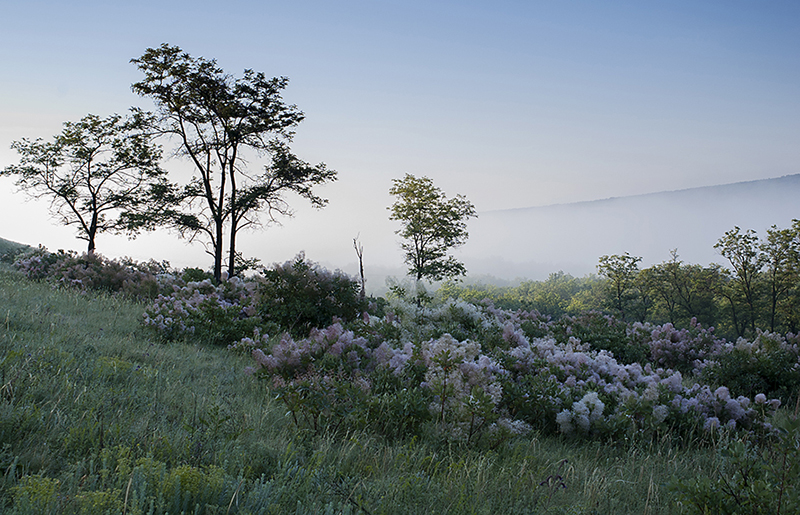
point(711, 424)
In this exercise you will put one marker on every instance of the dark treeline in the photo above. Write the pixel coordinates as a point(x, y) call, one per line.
point(757, 289)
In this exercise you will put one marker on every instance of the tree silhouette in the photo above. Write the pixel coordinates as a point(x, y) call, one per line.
point(216, 120)
point(101, 174)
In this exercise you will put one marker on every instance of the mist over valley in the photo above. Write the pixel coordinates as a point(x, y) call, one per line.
point(533, 242)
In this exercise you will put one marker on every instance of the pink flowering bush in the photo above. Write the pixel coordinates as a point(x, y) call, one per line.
point(564, 387)
point(334, 379)
point(683, 349)
point(625, 398)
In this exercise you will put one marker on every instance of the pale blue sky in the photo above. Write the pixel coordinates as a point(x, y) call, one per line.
point(512, 104)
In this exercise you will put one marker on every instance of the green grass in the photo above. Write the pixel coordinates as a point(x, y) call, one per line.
point(97, 416)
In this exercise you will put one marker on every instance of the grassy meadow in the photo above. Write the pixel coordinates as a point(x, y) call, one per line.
point(98, 416)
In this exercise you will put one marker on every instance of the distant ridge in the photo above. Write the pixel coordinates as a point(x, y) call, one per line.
point(533, 242)
point(791, 181)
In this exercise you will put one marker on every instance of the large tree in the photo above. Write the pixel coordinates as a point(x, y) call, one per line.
point(432, 224)
point(221, 124)
point(100, 174)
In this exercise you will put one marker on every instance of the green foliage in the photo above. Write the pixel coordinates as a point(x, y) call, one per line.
point(398, 407)
point(195, 275)
point(299, 295)
point(432, 225)
point(560, 294)
point(9, 250)
point(624, 289)
point(220, 324)
point(36, 494)
point(768, 366)
point(602, 332)
point(753, 477)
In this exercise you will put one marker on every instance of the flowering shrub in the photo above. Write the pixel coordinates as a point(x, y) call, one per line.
point(770, 364)
point(565, 387)
point(684, 349)
point(92, 272)
point(626, 398)
point(217, 314)
point(406, 321)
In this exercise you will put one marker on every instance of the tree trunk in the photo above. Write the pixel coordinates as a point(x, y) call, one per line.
point(232, 247)
point(218, 249)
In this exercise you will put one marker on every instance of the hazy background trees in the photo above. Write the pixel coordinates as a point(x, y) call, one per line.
point(760, 290)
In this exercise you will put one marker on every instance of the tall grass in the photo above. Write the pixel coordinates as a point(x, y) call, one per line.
point(96, 416)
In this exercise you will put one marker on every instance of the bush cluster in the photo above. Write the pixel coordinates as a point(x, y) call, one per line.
point(93, 272)
point(482, 393)
point(215, 314)
point(770, 364)
point(300, 295)
point(295, 297)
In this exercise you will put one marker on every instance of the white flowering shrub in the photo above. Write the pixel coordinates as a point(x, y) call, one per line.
point(217, 314)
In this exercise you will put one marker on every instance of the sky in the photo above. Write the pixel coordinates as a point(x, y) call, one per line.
point(510, 103)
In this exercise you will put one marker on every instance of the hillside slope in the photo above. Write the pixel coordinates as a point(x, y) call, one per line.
point(7, 246)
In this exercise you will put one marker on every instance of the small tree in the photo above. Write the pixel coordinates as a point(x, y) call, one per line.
point(747, 261)
point(432, 225)
point(622, 272)
point(100, 174)
point(781, 253)
point(216, 120)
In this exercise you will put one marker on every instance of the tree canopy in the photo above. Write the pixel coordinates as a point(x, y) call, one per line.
point(101, 174)
point(216, 119)
point(432, 224)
